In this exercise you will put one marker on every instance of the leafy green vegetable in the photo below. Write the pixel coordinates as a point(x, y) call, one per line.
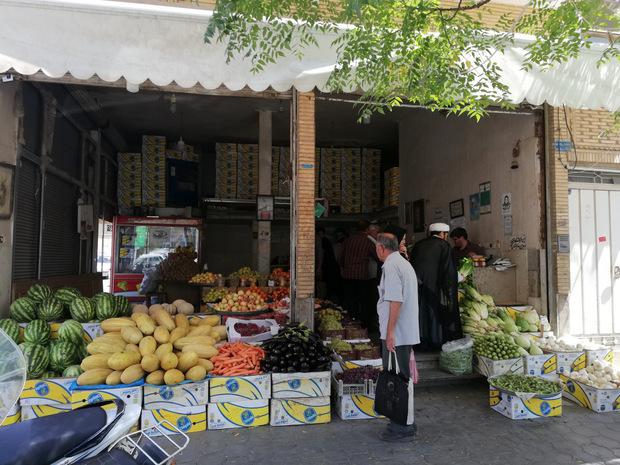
point(523, 383)
point(467, 267)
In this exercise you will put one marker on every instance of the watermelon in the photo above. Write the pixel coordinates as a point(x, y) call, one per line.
point(47, 374)
point(24, 310)
point(123, 307)
point(82, 309)
point(11, 328)
point(82, 350)
point(39, 292)
point(37, 360)
point(24, 345)
point(71, 331)
point(66, 295)
point(72, 371)
point(63, 355)
point(50, 309)
point(105, 306)
point(38, 332)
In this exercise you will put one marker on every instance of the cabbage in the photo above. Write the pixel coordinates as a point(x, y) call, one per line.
point(467, 267)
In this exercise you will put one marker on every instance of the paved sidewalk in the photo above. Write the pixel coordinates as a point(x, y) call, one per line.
point(456, 426)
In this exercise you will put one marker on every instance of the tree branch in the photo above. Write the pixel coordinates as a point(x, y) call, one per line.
point(463, 8)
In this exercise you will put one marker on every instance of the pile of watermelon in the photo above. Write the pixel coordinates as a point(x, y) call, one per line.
point(50, 358)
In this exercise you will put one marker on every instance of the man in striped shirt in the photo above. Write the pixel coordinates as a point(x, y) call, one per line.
point(354, 258)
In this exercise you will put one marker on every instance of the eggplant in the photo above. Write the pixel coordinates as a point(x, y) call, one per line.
point(291, 369)
point(283, 362)
point(304, 367)
point(275, 369)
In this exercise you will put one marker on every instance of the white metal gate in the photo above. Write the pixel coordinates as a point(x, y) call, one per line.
point(594, 300)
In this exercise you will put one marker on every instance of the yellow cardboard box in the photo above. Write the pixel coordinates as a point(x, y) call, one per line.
point(356, 407)
point(238, 414)
point(300, 411)
point(186, 419)
point(187, 394)
point(28, 412)
point(52, 391)
point(233, 389)
point(131, 395)
point(286, 385)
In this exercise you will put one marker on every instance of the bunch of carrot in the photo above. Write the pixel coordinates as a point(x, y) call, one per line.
point(238, 359)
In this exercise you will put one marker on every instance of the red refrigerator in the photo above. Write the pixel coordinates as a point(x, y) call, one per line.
point(140, 243)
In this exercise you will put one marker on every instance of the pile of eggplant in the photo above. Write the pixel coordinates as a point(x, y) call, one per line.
point(295, 349)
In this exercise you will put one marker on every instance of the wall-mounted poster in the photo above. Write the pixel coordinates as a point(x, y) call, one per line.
point(418, 216)
point(456, 208)
point(474, 206)
point(507, 204)
point(485, 197)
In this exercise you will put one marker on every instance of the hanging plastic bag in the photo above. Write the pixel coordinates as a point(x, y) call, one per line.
point(456, 356)
point(149, 282)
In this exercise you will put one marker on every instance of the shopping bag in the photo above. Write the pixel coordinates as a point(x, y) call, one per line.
point(394, 394)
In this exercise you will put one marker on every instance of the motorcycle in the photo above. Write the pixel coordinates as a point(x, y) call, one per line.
point(97, 433)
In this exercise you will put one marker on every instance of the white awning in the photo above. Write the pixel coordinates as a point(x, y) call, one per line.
point(138, 42)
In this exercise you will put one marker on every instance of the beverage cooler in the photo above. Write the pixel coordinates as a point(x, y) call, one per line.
point(141, 243)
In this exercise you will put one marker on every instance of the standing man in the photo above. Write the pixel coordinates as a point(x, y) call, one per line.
point(398, 319)
point(354, 257)
point(462, 247)
point(438, 288)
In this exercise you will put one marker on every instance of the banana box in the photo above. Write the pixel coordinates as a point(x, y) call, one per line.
point(239, 388)
point(14, 416)
point(157, 159)
point(371, 169)
point(570, 361)
point(135, 176)
point(371, 154)
point(91, 331)
point(351, 209)
point(186, 419)
point(155, 195)
point(327, 179)
point(134, 186)
point(226, 181)
point(545, 364)
point(391, 202)
point(191, 156)
point(238, 414)
point(489, 367)
point(371, 179)
point(229, 165)
point(391, 173)
point(52, 391)
point(356, 407)
point(153, 186)
point(225, 147)
point(247, 149)
point(153, 140)
point(28, 412)
point(156, 168)
point(300, 411)
point(523, 406)
point(606, 354)
point(153, 150)
point(129, 167)
point(225, 192)
point(338, 367)
point(330, 153)
point(330, 185)
point(130, 195)
point(175, 154)
point(351, 176)
point(148, 176)
point(286, 385)
point(248, 165)
point(186, 394)
point(351, 153)
point(599, 400)
point(248, 193)
point(129, 157)
point(131, 395)
point(247, 179)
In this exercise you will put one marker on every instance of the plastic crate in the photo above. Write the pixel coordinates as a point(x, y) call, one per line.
point(369, 354)
point(356, 333)
point(348, 354)
point(341, 389)
point(330, 334)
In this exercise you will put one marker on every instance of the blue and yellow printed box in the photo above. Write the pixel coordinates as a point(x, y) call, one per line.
point(153, 150)
point(186, 394)
point(129, 157)
point(599, 400)
point(356, 407)
point(225, 147)
point(186, 419)
point(488, 367)
point(286, 385)
point(300, 411)
point(131, 395)
point(28, 412)
point(153, 140)
point(13, 416)
point(570, 361)
point(606, 354)
point(51, 391)
point(238, 414)
point(515, 407)
point(238, 388)
point(545, 364)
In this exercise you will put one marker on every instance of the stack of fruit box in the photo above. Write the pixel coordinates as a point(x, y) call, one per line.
point(391, 186)
point(330, 187)
point(225, 170)
point(371, 184)
point(129, 182)
point(184, 405)
point(351, 180)
point(154, 170)
point(300, 398)
point(247, 171)
point(353, 401)
point(238, 401)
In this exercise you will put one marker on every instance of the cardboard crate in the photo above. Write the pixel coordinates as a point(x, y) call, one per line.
point(606, 354)
point(545, 364)
point(240, 388)
point(238, 414)
point(518, 407)
point(599, 400)
point(13, 416)
point(489, 368)
point(186, 394)
point(356, 407)
point(131, 395)
point(300, 411)
point(569, 361)
point(28, 412)
point(287, 385)
point(53, 391)
point(186, 419)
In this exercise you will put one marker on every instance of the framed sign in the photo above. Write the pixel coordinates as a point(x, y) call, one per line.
point(418, 216)
point(264, 206)
point(485, 197)
point(7, 180)
point(457, 208)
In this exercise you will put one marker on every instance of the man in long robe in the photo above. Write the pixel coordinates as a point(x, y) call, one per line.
point(438, 288)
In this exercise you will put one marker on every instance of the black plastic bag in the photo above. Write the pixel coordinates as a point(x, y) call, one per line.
point(394, 394)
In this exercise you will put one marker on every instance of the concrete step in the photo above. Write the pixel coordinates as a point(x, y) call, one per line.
point(426, 360)
point(437, 377)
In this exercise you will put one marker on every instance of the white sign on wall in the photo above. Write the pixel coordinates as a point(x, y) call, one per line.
point(507, 204)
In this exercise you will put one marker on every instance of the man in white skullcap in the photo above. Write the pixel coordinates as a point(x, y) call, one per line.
point(438, 288)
